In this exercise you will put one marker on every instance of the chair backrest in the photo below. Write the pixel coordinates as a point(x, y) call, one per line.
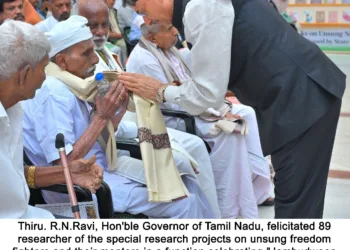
point(190, 123)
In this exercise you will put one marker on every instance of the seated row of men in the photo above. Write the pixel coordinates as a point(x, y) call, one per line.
point(229, 182)
point(60, 10)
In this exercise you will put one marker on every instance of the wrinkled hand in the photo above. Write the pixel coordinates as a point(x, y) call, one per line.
point(107, 106)
point(86, 174)
point(141, 85)
point(118, 117)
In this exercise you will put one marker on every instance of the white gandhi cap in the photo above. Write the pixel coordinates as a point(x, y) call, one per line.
point(68, 33)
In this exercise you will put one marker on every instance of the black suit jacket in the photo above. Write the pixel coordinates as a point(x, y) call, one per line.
point(178, 13)
point(286, 78)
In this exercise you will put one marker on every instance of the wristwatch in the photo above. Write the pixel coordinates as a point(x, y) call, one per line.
point(160, 94)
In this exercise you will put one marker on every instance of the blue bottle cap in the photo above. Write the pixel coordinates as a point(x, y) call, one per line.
point(99, 77)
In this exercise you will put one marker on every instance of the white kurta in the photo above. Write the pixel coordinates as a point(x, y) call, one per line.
point(47, 24)
point(14, 190)
point(208, 27)
point(233, 166)
point(193, 145)
point(54, 110)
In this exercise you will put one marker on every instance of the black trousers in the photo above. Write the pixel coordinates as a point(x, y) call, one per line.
point(302, 168)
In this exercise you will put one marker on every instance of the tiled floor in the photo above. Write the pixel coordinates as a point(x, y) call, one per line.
point(337, 203)
point(341, 151)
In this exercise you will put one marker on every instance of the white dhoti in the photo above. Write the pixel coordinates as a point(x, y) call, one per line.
point(132, 197)
point(194, 146)
point(263, 187)
point(240, 170)
point(197, 149)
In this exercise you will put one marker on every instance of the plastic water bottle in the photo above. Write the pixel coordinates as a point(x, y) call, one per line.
point(103, 86)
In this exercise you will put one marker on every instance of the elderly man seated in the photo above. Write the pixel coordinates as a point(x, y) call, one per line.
point(96, 12)
point(241, 176)
point(20, 77)
point(61, 105)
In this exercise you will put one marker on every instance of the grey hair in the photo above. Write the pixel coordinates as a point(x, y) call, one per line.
point(77, 6)
point(129, 3)
point(20, 44)
point(151, 29)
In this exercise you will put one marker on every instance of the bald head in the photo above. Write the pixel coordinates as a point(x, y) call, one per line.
point(96, 12)
point(91, 7)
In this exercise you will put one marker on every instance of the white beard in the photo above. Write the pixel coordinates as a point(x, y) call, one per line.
point(100, 46)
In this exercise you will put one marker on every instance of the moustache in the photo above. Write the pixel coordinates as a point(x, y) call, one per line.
point(99, 41)
point(91, 70)
point(64, 16)
point(95, 38)
point(19, 17)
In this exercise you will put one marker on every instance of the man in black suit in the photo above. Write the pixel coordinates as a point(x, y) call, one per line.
point(293, 86)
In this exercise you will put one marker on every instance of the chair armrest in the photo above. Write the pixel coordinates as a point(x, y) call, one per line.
point(83, 195)
point(130, 145)
point(103, 194)
point(105, 201)
point(189, 120)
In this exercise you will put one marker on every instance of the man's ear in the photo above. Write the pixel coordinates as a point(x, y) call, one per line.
point(23, 75)
point(61, 61)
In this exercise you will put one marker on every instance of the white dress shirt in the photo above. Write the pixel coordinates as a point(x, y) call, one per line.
point(47, 24)
point(14, 190)
point(208, 27)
